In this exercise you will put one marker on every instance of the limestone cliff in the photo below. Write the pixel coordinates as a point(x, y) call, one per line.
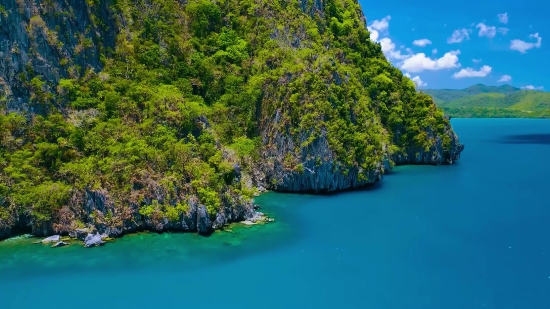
point(167, 115)
point(50, 40)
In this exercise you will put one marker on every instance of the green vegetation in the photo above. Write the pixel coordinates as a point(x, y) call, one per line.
point(480, 101)
point(193, 87)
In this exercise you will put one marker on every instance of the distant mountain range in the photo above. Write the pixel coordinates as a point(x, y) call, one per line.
point(491, 101)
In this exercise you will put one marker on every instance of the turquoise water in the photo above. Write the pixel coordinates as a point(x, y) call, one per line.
point(472, 235)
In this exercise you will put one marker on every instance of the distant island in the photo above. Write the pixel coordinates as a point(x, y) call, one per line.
point(481, 101)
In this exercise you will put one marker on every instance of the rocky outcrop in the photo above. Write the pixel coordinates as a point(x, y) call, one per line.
point(93, 240)
point(435, 155)
point(54, 238)
point(53, 40)
point(101, 216)
point(317, 170)
point(96, 210)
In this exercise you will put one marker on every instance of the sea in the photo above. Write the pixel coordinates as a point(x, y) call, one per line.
point(475, 234)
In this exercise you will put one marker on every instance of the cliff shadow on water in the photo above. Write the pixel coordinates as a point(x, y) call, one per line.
point(130, 115)
point(533, 139)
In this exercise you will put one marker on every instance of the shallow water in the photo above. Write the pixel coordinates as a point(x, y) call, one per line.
point(470, 235)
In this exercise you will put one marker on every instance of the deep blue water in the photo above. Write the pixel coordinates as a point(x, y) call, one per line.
point(471, 235)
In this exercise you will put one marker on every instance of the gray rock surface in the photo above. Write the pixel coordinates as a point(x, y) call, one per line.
point(54, 238)
point(324, 177)
point(93, 240)
point(80, 234)
point(204, 225)
point(48, 36)
point(436, 155)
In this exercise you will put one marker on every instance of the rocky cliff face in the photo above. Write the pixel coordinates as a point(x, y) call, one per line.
point(94, 211)
point(49, 40)
point(437, 154)
point(302, 77)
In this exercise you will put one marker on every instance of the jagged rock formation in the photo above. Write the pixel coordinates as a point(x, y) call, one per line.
point(166, 115)
point(51, 39)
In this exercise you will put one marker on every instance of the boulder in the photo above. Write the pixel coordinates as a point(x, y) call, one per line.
point(93, 240)
point(54, 238)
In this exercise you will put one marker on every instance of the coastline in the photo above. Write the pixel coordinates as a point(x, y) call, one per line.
point(77, 238)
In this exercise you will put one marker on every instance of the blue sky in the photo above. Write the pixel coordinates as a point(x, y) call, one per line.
point(494, 42)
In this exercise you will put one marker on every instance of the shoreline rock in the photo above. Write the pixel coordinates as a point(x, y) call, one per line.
point(93, 240)
point(60, 244)
point(51, 239)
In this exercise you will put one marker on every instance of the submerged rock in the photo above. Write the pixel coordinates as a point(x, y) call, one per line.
point(258, 218)
point(93, 240)
point(16, 238)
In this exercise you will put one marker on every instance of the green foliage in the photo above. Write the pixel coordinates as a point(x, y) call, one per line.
point(206, 17)
point(147, 210)
point(244, 147)
point(479, 112)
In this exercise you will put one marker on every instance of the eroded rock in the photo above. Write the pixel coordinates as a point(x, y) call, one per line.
point(51, 239)
point(204, 225)
point(93, 240)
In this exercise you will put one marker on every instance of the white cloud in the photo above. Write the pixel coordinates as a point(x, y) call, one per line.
point(488, 31)
point(388, 48)
point(459, 36)
point(405, 58)
point(379, 26)
point(374, 35)
point(382, 24)
point(505, 78)
point(419, 62)
point(469, 72)
point(416, 80)
point(503, 18)
point(422, 42)
point(434, 51)
point(523, 46)
point(531, 87)
point(476, 60)
point(503, 30)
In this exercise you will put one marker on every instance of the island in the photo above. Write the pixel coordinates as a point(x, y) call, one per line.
point(481, 101)
point(130, 115)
